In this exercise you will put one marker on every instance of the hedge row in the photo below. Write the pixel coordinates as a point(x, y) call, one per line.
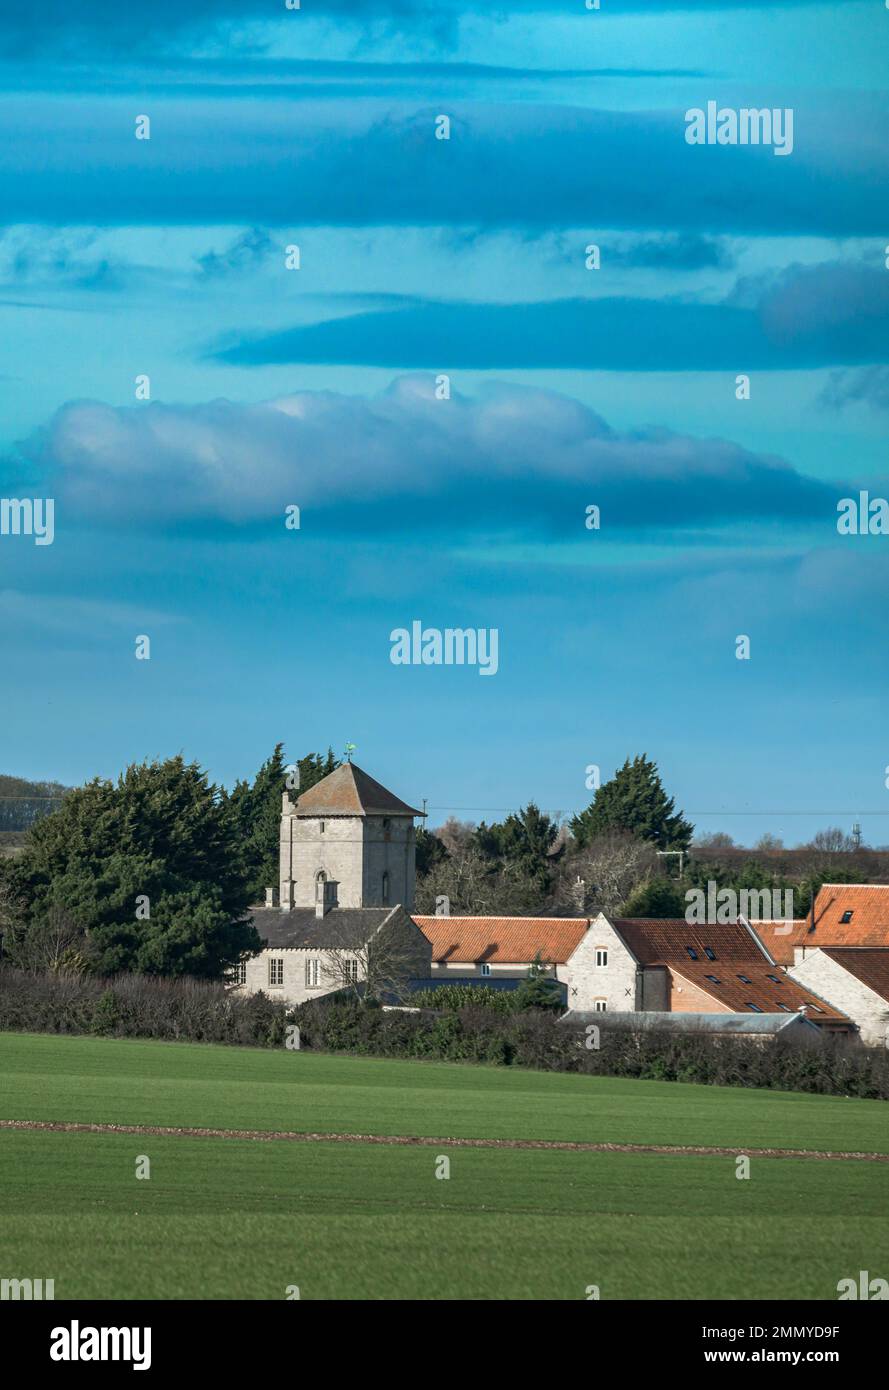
point(193, 1010)
point(137, 1006)
point(828, 1066)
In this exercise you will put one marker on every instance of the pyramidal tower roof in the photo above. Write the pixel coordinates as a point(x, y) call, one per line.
point(347, 791)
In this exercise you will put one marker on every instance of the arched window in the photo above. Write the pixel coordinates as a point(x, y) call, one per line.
point(385, 890)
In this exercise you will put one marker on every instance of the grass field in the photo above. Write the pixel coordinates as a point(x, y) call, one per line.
point(223, 1218)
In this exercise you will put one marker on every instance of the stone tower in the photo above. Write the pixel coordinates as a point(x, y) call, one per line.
point(347, 842)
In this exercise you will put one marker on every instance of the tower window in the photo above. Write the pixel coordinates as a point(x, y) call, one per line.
point(385, 890)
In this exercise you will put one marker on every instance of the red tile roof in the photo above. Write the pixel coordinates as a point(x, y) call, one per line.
point(736, 951)
point(766, 987)
point(870, 965)
point(663, 940)
point(868, 926)
point(869, 905)
point(778, 941)
point(505, 940)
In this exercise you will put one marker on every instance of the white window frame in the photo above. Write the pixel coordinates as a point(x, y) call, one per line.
point(600, 1006)
point(276, 967)
point(601, 957)
point(313, 974)
point(484, 968)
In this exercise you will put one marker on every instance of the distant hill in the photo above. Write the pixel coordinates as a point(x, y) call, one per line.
point(23, 802)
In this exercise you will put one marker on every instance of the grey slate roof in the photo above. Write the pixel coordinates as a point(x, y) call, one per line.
point(689, 1023)
point(343, 928)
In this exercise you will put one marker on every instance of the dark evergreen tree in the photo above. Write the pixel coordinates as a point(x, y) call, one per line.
point(524, 841)
point(149, 869)
point(659, 897)
point(430, 851)
point(539, 991)
point(255, 809)
point(634, 800)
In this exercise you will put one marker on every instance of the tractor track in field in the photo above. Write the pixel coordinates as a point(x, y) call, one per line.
point(426, 1141)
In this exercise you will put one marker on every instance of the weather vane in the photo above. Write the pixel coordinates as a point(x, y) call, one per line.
point(349, 750)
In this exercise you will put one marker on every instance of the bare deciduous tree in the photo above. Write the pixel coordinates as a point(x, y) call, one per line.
point(55, 944)
point(380, 968)
point(602, 875)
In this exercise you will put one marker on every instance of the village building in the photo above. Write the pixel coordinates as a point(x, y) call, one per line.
point(500, 951)
point(669, 965)
point(339, 915)
point(856, 978)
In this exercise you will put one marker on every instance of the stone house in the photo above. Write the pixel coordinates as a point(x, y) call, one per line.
point(856, 979)
point(500, 951)
point(340, 912)
point(670, 966)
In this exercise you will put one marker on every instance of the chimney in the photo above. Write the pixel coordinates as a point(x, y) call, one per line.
point(271, 897)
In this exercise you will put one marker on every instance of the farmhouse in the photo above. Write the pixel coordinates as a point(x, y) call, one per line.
point(670, 965)
point(499, 951)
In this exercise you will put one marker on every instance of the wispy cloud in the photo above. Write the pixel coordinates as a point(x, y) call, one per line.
point(813, 316)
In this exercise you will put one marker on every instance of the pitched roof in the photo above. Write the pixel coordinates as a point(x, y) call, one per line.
point(868, 925)
point(506, 940)
point(348, 791)
point(735, 951)
point(663, 940)
point(777, 940)
point(342, 928)
point(869, 905)
point(691, 1023)
point(870, 965)
point(764, 988)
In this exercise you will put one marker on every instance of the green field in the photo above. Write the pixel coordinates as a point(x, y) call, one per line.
point(234, 1218)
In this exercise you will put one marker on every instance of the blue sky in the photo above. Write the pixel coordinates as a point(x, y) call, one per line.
point(569, 387)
